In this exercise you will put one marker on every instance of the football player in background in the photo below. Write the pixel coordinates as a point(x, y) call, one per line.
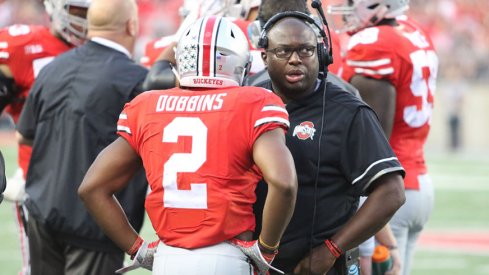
point(24, 51)
point(392, 62)
point(204, 147)
point(160, 54)
point(242, 13)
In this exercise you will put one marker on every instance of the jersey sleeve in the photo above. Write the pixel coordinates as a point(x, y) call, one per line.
point(270, 115)
point(153, 50)
point(5, 50)
point(366, 154)
point(370, 55)
point(127, 123)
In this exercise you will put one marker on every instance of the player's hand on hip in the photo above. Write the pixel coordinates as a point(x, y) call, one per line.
point(318, 262)
point(259, 258)
point(15, 190)
point(142, 258)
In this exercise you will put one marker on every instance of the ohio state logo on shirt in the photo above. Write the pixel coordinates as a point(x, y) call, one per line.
point(304, 130)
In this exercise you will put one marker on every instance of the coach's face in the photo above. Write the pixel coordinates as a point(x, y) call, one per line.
point(291, 58)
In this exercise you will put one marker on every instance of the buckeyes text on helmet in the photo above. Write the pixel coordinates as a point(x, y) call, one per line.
point(68, 18)
point(360, 14)
point(212, 53)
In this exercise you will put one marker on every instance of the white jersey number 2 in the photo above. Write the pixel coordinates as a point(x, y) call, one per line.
point(196, 197)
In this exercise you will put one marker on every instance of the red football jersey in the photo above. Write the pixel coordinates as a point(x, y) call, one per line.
point(196, 147)
point(155, 47)
point(404, 56)
point(26, 49)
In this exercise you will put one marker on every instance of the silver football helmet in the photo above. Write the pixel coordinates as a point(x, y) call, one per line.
point(68, 18)
point(240, 8)
point(212, 53)
point(360, 14)
point(232, 8)
point(191, 10)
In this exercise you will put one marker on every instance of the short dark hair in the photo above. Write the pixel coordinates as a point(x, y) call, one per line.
point(269, 8)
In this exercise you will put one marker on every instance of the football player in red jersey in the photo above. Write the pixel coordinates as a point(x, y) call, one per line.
point(24, 51)
point(242, 13)
point(393, 63)
point(204, 147)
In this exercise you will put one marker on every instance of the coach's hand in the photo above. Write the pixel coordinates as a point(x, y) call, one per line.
point(260, 259)
point(319, 262)
point(142, 258)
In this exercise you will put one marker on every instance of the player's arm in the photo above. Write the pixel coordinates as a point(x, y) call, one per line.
point(110, 173)
point(381, 96)
point(7, 87)
point(275, 161)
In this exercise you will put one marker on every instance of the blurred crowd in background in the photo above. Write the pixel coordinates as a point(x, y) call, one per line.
point(459, 28)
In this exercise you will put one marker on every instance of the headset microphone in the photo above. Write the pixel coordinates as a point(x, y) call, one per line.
point(316, 4)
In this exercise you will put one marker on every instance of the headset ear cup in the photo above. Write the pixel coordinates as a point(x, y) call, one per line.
point(320, 53)
point(263, 41)
point(328, 59)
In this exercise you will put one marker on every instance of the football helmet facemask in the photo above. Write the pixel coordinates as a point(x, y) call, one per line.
point(68, 17)
point(360, 14)
point(212, 53)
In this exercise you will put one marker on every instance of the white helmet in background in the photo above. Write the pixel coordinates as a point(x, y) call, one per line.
point(360, 14)
point(191, 10)
point(241, 8)
point(212, 53)
point(68, 17)
point(232, 8)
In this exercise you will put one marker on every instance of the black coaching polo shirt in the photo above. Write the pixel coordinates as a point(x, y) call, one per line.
point(339, 149)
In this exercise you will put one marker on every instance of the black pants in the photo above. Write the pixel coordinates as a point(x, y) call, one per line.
point(51, 256)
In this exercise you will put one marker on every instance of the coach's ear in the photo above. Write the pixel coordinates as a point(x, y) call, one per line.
point(132, 27)
point(264, 57)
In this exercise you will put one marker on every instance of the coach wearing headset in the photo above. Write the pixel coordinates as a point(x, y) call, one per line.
point(339, 149)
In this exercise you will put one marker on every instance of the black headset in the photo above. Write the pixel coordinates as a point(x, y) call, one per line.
point(324, 51)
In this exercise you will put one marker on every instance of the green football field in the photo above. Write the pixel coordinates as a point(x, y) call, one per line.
point(455, 242)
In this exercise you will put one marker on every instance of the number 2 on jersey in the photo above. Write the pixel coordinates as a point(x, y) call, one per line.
point(196, 197)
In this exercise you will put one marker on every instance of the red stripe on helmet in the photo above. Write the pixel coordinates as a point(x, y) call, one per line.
point(207, 45)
